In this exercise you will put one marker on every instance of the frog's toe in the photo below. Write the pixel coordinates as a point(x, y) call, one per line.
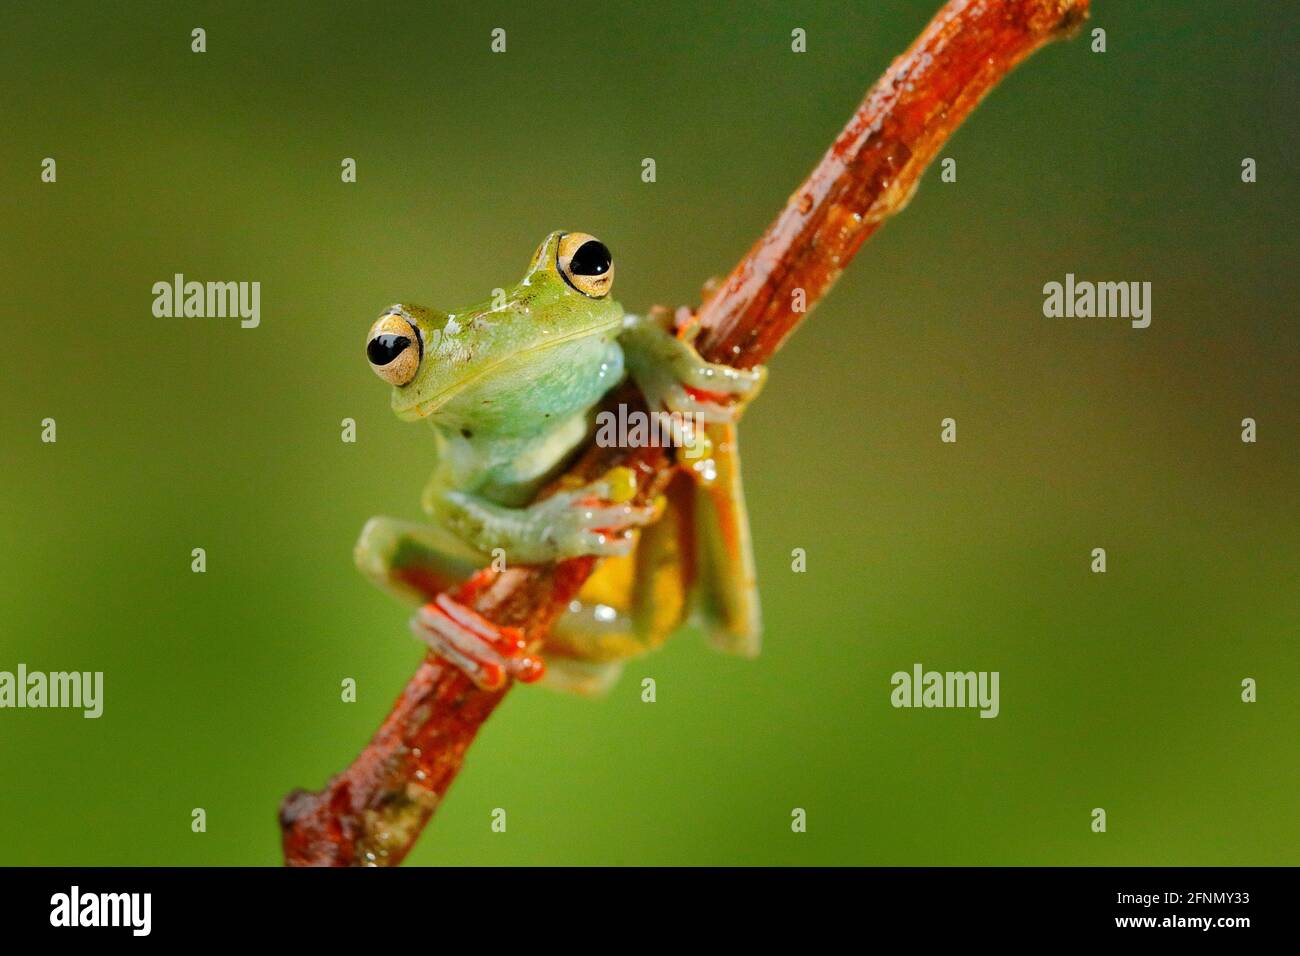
point(604, 544)
point(489, 654)
point(616, 517)
point(586, 522)
point(606, 530)
point(724, 380)
point(711, 408)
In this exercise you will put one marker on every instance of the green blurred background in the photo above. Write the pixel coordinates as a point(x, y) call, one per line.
point(222, 690)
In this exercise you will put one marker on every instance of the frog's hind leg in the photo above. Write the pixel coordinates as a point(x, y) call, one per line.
point(726, 596)
point(629, 606)
point(417, 563)
point(413, 561)
point(574, 676)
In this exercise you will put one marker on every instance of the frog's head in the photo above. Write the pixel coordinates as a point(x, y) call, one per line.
point(533, 350)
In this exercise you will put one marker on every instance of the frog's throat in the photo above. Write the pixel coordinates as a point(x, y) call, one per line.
point(424, 409)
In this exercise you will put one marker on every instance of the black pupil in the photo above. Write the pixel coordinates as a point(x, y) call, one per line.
point(382, 349)
point(591, 259)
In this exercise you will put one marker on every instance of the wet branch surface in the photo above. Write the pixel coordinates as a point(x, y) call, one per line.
point(373, 812)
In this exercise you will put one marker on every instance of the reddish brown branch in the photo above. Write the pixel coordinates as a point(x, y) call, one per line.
point(373, 812)
point(872, 168)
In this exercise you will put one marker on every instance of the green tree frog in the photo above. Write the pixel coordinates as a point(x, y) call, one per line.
point(511, 388)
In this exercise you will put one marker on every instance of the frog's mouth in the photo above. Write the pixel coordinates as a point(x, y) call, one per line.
point(413, 411)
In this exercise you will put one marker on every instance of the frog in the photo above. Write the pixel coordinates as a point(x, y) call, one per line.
point(511, 388)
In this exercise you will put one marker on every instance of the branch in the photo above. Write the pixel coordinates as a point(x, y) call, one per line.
point(372, 813)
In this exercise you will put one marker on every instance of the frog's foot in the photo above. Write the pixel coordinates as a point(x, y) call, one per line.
point(709, 392)
point(489, 654)
point(674, 376)
point(596, 519)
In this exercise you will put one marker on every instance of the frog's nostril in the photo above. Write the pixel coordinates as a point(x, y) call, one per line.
point(383, 348)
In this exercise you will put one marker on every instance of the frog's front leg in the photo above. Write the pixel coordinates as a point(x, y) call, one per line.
point(586, 520)
point(597, 519)
point(673, 376)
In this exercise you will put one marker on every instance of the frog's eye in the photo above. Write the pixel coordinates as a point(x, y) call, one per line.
point(585, 263)
point(394, 349)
